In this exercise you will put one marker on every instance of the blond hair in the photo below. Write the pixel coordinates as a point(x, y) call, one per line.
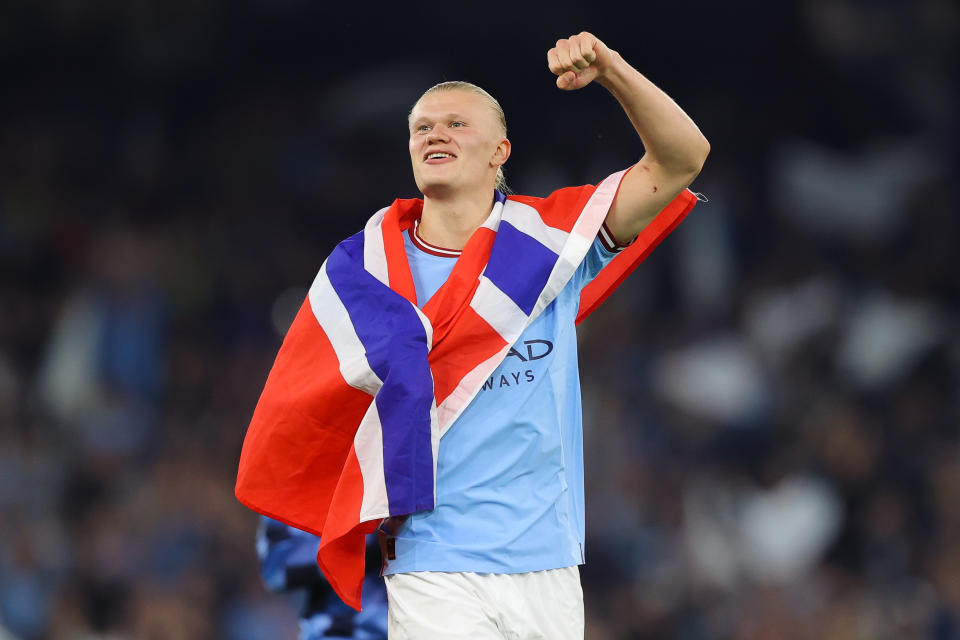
point(461, 85)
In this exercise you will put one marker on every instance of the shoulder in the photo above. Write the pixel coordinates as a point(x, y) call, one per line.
point(398, 215)
point(561, 208)
point(566, 196)
point(350, 248)
point(561, 203)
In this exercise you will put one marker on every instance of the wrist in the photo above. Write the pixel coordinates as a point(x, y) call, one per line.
point(614, 71)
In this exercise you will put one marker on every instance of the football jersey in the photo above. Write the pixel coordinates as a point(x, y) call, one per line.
point(509, 489)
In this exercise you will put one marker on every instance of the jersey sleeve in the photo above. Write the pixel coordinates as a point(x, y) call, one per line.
point(556, 210)
point(604, 249)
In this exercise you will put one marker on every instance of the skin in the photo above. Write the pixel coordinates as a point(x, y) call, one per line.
point(458, 191)
point(675, 147)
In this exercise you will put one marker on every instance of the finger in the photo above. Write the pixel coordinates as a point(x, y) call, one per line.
point(588, 47)
point(563, 54)
point(576, 53)
point(553, 62)
point(585, 77)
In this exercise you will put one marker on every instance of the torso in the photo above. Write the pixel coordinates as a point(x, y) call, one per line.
point(510, 470)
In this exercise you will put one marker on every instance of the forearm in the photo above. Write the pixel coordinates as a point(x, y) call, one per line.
point(671, 139)
point(675, 148)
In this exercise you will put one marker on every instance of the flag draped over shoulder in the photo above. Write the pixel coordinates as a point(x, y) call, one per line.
point(347, 428)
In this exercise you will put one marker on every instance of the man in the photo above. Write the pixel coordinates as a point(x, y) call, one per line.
point(457, 315)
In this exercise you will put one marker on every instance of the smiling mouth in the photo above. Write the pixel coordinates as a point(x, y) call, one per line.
point(438, 155)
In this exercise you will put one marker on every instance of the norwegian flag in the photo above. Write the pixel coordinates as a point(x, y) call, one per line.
point(348, 425)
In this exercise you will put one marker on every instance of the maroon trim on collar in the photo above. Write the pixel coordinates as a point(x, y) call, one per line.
point(426, 247)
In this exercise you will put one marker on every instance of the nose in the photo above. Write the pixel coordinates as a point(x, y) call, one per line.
point(437, 134)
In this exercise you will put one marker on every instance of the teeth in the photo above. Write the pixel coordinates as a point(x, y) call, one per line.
point(437, 156)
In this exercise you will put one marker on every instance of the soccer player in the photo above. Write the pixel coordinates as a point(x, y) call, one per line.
point(484, 373)
point(498, 556)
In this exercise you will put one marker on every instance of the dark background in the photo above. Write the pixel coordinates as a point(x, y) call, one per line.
point(771, 401)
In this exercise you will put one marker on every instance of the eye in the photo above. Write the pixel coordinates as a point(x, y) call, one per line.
point(423, 127)
point(458, 124)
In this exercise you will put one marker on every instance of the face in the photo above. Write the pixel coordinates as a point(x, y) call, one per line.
point(456, 143)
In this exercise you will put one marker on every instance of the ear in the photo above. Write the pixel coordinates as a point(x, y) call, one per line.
point(501, 153)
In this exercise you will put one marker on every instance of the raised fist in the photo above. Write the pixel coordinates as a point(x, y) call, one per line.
point(579, 60)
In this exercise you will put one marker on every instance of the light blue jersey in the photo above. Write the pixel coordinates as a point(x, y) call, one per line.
point(510, 469)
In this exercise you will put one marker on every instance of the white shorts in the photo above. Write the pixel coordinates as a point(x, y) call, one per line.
point(425, 605)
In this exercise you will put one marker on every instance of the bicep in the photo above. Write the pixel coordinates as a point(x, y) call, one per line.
point(644, 192)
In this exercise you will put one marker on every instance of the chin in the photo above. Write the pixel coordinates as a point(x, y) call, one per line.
point(435, 188)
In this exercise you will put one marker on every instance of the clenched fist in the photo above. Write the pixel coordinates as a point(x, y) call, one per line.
point(579, 60)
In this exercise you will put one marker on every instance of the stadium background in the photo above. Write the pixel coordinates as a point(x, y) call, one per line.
point(771, 403)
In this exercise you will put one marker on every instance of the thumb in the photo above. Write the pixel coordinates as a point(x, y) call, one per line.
point(566, 80)
point(570, 80)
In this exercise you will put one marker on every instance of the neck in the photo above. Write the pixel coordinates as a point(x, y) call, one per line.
point(449, 221)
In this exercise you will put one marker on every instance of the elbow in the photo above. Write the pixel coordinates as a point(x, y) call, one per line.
point(704, 149)
point(687, 164)
point(698, 156)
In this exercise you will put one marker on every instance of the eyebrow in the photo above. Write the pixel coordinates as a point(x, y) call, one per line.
point(445, 116)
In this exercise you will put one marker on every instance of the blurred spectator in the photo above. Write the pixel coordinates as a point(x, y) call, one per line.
point(288, 563)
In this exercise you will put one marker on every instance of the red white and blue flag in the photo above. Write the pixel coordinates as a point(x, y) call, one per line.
point(348, 425)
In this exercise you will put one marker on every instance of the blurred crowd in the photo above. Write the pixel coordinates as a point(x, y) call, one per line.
point(772, 401)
